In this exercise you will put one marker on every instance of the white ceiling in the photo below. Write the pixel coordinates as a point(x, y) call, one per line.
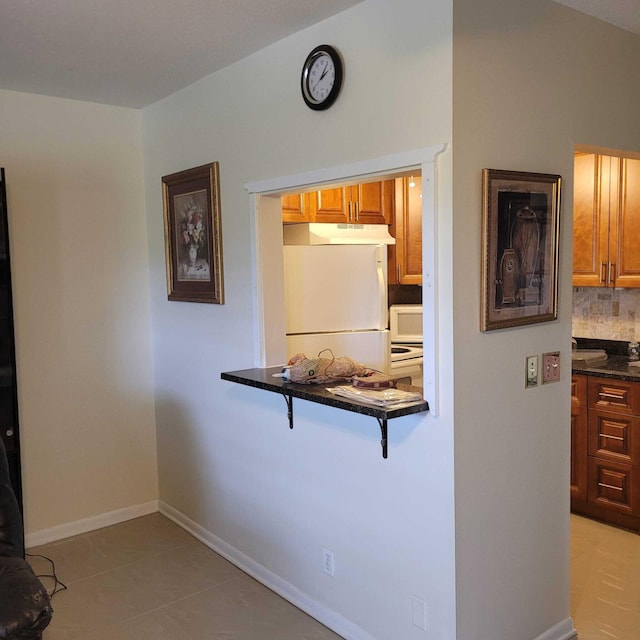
point(134, 52)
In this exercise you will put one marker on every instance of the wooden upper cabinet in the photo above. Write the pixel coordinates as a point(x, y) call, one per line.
point(405, 257)
point(330, 205)
point(370, 203)
point(606, 221)
point(295, 207)
point(374, 202)
point(586, 221)
point(627, 256)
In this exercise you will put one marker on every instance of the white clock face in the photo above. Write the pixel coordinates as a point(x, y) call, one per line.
point(321, 78)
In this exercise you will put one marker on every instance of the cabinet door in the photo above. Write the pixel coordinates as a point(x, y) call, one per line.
point(330, 205)
point(295, 207)
point(611, 435)
point(578, 480)
point(373, 202)
point(619, 396)
point(627, 252)
point(590, 232)
point(579, 390)
point(406, 255)
point(611, 486)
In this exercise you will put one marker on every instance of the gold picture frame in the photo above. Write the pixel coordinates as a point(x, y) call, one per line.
point(193, 235)
point(520, 226)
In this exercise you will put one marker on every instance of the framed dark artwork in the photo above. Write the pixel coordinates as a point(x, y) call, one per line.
point(193, 235)
point(520, 225)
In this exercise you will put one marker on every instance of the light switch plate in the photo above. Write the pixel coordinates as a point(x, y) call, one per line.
point(550, 367)
point(531, 373)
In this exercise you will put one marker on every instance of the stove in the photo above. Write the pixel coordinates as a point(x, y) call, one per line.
point(405, 323)
point(401, 352)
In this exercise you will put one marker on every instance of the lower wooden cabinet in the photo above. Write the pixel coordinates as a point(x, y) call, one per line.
point(578, 476)
point(605, 450)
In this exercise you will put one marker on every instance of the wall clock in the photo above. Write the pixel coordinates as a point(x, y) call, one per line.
point(321, 78)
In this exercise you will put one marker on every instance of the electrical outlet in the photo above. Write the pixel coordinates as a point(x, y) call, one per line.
point(531, 374)
point(550, 367)
point(328, 562)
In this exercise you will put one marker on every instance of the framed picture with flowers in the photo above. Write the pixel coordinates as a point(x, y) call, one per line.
point(193, 235)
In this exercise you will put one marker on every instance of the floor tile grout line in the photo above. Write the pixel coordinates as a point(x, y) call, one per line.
point(170, 604)
point(129, 563)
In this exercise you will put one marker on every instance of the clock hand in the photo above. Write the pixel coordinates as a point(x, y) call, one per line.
point(322, 75)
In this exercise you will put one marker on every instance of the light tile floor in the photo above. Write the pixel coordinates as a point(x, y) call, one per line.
point(147, 579)
point(605, 581)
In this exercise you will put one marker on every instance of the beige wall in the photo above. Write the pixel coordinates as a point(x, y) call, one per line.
point(530, 81)
point(80, 278)
point(229, 465)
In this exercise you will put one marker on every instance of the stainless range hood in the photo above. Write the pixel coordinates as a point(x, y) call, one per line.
point(309, 233)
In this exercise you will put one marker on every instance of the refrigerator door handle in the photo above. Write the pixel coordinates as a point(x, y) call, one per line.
point(382, 288)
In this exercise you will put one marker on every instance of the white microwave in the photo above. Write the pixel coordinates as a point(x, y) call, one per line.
point(405, 323)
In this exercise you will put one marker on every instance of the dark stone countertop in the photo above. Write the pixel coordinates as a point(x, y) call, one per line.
point(263, 379)
point(616, 367)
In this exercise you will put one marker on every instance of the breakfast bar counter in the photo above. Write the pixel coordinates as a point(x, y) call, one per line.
point(269, 380)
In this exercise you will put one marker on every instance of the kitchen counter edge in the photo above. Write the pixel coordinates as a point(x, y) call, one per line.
point(615, 367)
point(263, 379)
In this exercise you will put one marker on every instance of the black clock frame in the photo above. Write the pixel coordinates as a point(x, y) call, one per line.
point(323, 49)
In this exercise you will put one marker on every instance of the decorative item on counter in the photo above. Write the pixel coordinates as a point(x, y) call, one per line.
point(387, 398)
point(634, 351)
point(320, 370)
point(374, 380)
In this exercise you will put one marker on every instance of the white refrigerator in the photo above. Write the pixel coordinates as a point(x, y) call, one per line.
point(336, 298)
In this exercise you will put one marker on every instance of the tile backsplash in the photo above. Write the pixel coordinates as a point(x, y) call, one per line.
point(607, 314)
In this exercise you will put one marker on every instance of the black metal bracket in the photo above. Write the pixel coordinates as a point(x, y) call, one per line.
point(383, 431)
point(288, 398)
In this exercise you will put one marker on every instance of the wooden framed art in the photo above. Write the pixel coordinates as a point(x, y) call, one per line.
point(520, 225)
point(193, 235)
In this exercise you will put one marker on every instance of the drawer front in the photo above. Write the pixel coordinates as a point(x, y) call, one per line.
point(611, 436)
point(579, 391)
point(611, 485)
point(614, 395)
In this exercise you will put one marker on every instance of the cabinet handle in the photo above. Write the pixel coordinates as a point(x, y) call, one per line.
point(399, 275)
point(610, 397)
point(350, 216)
point(602, 266)
point(8, 433)
point(608, 486)
point(612, 273)
point(357, 210)
point(604, 435)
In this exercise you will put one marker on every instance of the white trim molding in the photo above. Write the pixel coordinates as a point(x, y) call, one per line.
point(562, 631)
point(303, 601)
point(52, 534)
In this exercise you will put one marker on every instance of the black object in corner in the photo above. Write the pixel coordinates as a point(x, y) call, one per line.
point(8, 386)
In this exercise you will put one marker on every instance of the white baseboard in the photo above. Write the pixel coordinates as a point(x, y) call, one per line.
point(52, 534)
point(562, 631)
point(328, 617)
